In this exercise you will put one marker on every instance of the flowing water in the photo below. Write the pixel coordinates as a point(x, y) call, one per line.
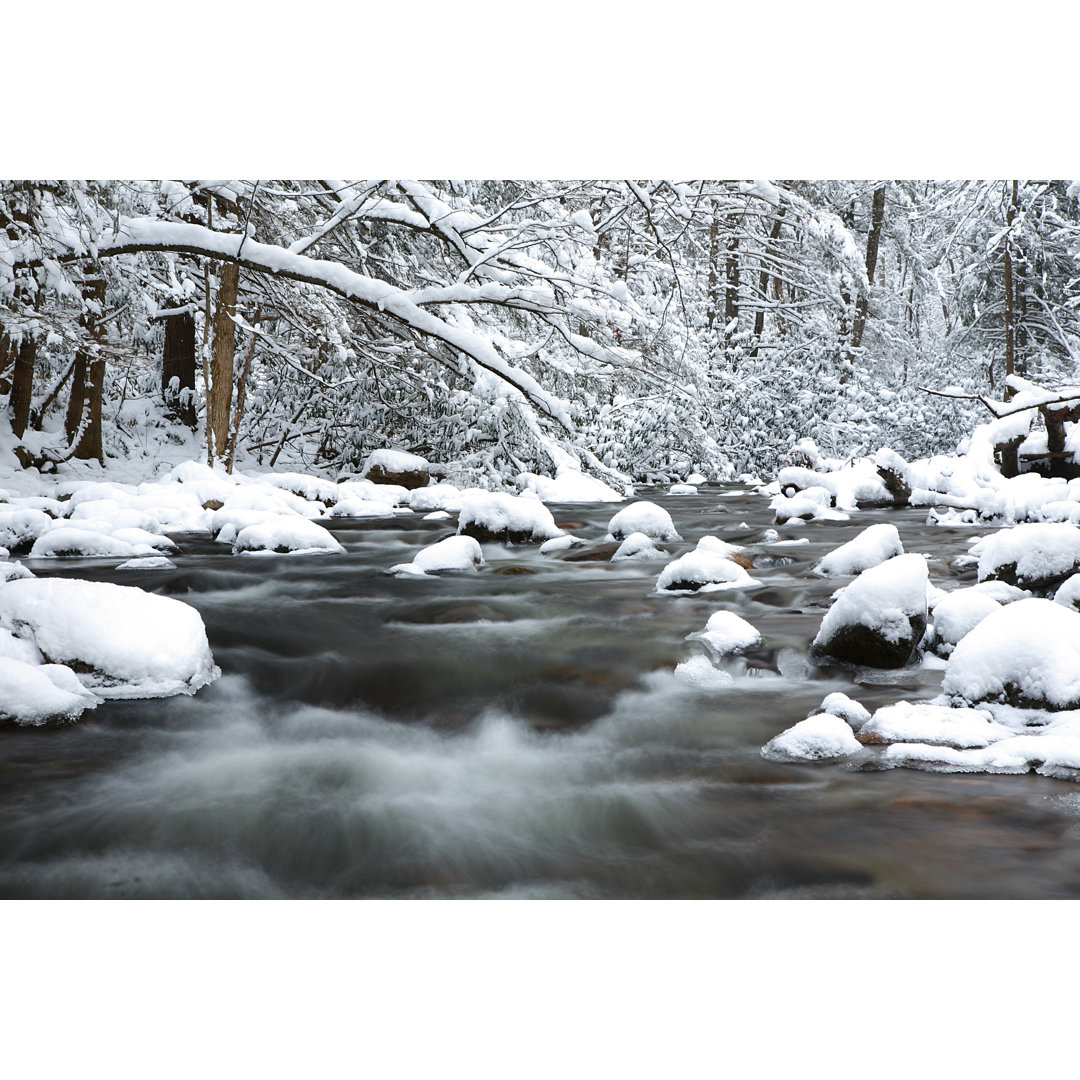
point(513, 733)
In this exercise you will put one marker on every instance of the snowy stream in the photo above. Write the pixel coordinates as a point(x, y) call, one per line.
point(516, 732)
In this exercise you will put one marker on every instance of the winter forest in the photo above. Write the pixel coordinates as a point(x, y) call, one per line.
point(608, 539)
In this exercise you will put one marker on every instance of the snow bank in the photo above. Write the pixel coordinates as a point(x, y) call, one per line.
point(1026, 654)
point(127, 643)
point(642, 517)
point(870, 548)
point(569, 486)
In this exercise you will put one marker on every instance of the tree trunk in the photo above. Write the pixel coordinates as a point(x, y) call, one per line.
point(77, 398)
point(22, 385)
point(178, 362)
point(763, 281)
point(83, 420)
point(714, 277)
point(1010, 312)
point(221, 368)
point(873, 241)
point(90, 447)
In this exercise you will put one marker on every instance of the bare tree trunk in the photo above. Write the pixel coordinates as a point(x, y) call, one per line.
point(83, 420)
point(763, 281)
point(221, 368)
point(714, 276)
point(1010, 313)
point(90, 446)
point(178, 362)
point(76, 399)
point(22, 385)
point(241, 396)
point(873, 241)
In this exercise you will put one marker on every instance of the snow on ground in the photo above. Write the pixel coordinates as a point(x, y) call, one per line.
point(642, 517)
point(569, 485)
point(126, 643)
point(872, 546)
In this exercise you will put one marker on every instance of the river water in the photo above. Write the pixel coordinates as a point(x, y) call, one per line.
point(513, 733)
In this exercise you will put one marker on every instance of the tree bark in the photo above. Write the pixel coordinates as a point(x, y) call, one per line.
point(763, 281)
point(221, 367)
point(1010, 311)
point(83, 420)
point(22, 385)
point(178, 362)
point(714, 276)
point(873, 241)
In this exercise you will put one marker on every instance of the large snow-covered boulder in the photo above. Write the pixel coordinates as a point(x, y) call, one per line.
point(67, 542)
point(642, 517)
point(1026, 654)
point(285, 534)
point(453, 553)
point(639, 547)
point(19, 528)
point(396, 467)
point(957, 614)
point(879, 619)
point(934, 725)
point(513, 519)
point(1032, 555)
point(871, 547)
point(708, 568)
point(123, 642)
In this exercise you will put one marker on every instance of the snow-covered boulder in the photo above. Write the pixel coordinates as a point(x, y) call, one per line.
point(65, 542)
point(708, 568)
point(1068, 593)
point(848, 709)
point(1032, 555)
point(36, 694)
point(513, 519)
point(435, 497)
point(871, 547)
point(682, 489)
point(569, 486)
point(396, 467)
point(822, 737)
point(726, 633)
point(957, 614)
point(813, 504)
point(879, 619)
point(362, 508)
point(639, 547)
point(285, 534)
point(303, 485)
point(1026, 654)
point(123, 642)
point(934, 725)
point(642, 517)
point(20, 528)
point(700, 672)
point(9, 571)
point(453, 553)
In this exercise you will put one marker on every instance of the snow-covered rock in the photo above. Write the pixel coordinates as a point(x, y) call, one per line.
point(396, 467)
point(935, 725)
point(126, 643)
point(699, 671)
point(871, 547)
point(822, 737)
point(513, 519)
point(285, 534)
point(20, 528)
point(1068, 593)
point(37, 694)
point(957, 614)
point(1026, 654)
point(435, 497)
point(66, 542)
point(642, 517)
point(708, 568)
point(453, 553)
point(639, 547)
point(848, 709)
point(726, 633)
point(1032, 555)
point(879, 619)
point(361, 508)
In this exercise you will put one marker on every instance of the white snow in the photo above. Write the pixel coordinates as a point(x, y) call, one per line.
point(882, 598)
point(957, 614)
point(1039, 550)
point(638, 546)
point(569, 486)
point(871, 547)
point(286, 534)
point(1025, 653)
point(642, 517)
point(135, 643)
point(855, 713)
point(726, 633)
point(34, 694)
point(497, 513)
point(698, 671)
point(394, 461)
point(820, 737)
point(435, 497)
point(64, 541)
point(559, 543)
point(151, 562)
point(453, 553)
point(708, 568)
point(934, 725)
point(1068, 593)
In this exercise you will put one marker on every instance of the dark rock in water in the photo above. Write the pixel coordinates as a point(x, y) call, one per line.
point(514, 570)
point(571, 526)
point(864, 646)
point(503, 536)
point(413, 479)
point(594, 553)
